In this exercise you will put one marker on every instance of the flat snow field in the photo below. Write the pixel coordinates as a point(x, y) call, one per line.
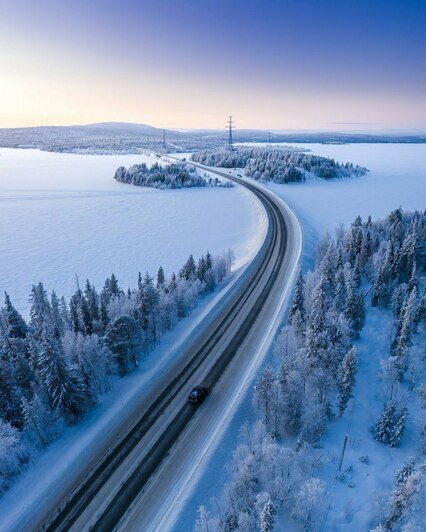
point(397, 177)
point(63, 215)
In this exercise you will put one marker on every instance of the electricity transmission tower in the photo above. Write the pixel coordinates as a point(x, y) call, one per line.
point(268, 139)
point(164, 138)
point(230, 124)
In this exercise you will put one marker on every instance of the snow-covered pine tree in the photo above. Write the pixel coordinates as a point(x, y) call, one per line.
point(408, 467)
point(209, 277)
point(404, 329)
point(356, 273)
point(316, 334)
point(346, 379)
point(40, 311)
point(327, 268)
point(267, 517)
point(391, 423)
point(148, 309)
point(398, 298)
point(407, 486)
point(58, 323)
point(122, 336)
point(355, 311)
point(92, 301)
point(15, 324)
point(341, 290)
point(189, 269)
point(63, 384)
point(407, 255)
point(382, 286)
point(297, 313)
point(160, 278)
point(114, 289)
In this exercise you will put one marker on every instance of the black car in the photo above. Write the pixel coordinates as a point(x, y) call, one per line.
point(197, 395)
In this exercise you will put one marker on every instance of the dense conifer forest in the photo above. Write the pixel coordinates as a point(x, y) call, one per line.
point(371, 268)
point(281, 165)
point(54, 367)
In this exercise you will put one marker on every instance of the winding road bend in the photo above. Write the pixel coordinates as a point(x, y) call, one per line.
point(141, 480)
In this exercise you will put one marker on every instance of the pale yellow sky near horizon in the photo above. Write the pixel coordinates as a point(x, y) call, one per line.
point(57, 86)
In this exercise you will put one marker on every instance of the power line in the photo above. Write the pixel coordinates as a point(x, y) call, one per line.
point(230, 124)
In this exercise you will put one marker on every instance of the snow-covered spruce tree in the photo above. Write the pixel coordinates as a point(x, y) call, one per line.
point(160, 277)
point(341, 293)
point(390, 426)
point(15, 324)
point(398, 299)
point(92, 301)
point(327, 268)
point(122, 337)
point(383, 283)
point(40, 312)
point(346, 379)
point(316, 334)
point(405, 471)
point(81, 318)
point(354, 243)
point(407, 255)
point(189, 269)
point(267, 517)
point(407, 486)
point(297, 313)
point(62, 383)
point(404, 329)
point(148, 298)
point(57, 319)
point(355, 310)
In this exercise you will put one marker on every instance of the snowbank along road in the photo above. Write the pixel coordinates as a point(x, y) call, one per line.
point(139, 483)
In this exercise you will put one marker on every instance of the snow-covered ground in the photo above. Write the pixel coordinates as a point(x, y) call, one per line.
point(64, 215)
point(397, 177)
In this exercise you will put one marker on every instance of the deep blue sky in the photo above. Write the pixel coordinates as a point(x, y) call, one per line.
point(321, 64)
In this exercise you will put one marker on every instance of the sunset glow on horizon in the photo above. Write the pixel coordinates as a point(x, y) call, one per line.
point(325, 65)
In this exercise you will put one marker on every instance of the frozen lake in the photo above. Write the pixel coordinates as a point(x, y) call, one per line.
point(63, 215)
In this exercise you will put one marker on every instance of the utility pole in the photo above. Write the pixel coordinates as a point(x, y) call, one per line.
point(230, 126)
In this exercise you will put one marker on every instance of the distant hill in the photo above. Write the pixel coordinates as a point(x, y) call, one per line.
point(123, 137)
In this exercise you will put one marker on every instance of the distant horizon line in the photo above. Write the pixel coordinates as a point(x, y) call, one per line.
point(383, 131)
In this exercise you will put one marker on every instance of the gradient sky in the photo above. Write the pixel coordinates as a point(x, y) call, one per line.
point(278, 64)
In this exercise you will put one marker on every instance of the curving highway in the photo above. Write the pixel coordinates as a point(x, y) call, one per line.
point(139, 483)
